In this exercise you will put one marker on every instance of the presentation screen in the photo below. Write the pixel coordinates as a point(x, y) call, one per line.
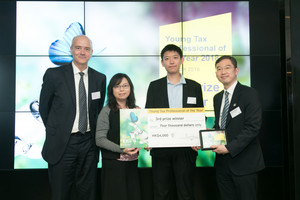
point(127, 37)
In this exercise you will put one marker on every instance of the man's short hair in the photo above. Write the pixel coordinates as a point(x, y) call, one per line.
point(170, 47)
point(232, 59)
point(91, 44)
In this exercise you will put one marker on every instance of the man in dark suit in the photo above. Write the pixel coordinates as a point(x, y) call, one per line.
point(237, 162)
point(70, 101)
point(173, 91)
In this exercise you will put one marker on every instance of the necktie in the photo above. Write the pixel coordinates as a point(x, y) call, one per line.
point(225, 111)
point(82, 125)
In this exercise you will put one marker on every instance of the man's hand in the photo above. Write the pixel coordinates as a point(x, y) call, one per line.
point(219, 149)
point(147, 148)
point(195, 148)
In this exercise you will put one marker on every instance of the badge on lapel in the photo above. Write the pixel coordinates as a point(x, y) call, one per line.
point(235, 112)
point(96, 95)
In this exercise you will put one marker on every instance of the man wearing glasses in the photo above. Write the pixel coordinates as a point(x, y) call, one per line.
point(238, 111)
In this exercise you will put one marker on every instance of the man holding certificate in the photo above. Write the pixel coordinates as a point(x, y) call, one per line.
point(238, 111)
point(173, 91)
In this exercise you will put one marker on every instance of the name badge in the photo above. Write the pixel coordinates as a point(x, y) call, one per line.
point(191, 100)
point(96, 95)
point(235, 112)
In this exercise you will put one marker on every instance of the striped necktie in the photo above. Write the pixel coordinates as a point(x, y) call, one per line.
point(225, 111)
point(82, 124)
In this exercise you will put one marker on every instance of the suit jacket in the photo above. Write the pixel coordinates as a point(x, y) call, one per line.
point(57, 107)
point(157, 97)
point(245, 155)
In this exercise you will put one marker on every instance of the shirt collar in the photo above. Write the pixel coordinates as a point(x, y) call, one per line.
point(76, 70)
point(182, 80)
point(231, 88)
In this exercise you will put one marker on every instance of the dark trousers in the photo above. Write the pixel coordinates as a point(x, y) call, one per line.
point(177, 164)
point(120, 180)
point(78, 166)
point(235, 187)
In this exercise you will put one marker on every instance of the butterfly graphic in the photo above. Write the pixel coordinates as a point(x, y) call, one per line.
point(59, 50)
point(34, 109)
point(27, 149)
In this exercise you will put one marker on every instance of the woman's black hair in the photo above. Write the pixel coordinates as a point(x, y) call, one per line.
point(111, 100)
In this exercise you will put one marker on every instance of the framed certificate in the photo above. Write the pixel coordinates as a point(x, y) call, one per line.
point(212, 137)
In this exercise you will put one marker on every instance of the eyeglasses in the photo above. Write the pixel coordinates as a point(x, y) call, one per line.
point(226, 68)
point(124, 87)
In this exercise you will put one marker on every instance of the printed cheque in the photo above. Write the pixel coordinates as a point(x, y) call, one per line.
point(172, 127)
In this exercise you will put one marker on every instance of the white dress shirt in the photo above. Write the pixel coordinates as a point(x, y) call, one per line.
point(230, 90)
point(86, 85)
